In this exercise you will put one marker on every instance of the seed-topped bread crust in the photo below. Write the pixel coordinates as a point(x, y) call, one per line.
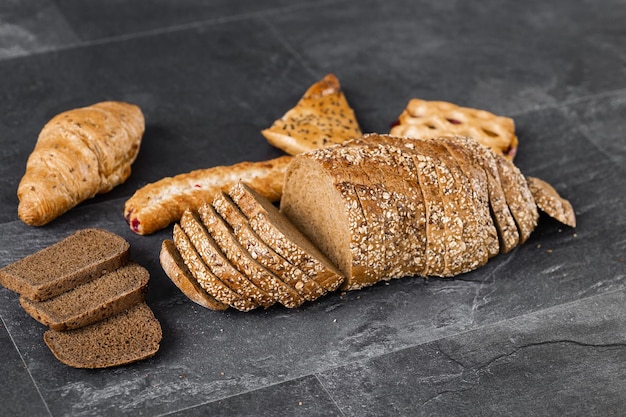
point(279, 233)
point(550, 202)
point(175, 268)
point(241, 259)
point(205, 277)
point(465, 205)
point(219, 265)
point(259, 250)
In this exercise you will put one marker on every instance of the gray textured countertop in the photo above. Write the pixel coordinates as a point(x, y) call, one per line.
point(539, 331)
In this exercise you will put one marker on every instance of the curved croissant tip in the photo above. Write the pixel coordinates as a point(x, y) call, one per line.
point(30, 213)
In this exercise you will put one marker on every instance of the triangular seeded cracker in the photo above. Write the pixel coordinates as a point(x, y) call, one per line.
point(321, 118)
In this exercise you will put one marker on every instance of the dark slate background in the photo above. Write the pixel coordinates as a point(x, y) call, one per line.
point(538, 331)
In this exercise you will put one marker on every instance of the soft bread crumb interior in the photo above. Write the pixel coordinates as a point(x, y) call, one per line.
point(311, 201)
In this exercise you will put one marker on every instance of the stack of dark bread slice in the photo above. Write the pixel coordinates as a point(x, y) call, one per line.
point(85, 289)
point(241, 252)
point(354, 214)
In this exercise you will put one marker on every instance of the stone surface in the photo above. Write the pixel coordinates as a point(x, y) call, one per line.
point(538, 331)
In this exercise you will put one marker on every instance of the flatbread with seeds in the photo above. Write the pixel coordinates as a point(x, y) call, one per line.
point(321, 118)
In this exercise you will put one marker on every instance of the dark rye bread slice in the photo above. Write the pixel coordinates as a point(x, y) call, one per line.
point(175, 268)
point(74, 260)
point(284, 237)
point(93, 301)
point(203, 275)
point(131, 335)
point(219, 264)
point(241, 259)
point(265, 255)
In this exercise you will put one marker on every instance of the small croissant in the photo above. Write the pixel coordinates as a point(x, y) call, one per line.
point(79, 153)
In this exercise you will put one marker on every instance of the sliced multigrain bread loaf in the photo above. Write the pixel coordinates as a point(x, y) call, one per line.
point(76, 259)
point(263, 278)
point(284, 237)
point(292, 275)
point(211, 283)
point(126, 337)
point(93, 301)
point(175, 268)
point(219, 264)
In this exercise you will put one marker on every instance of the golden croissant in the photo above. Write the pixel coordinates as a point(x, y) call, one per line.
point(79, 153)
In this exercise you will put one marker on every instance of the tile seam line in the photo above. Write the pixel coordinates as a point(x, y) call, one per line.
point(481, 327)
point(318, 373)
point(261, 14)
point(43, 400)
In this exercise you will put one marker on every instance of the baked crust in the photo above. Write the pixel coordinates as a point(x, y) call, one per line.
point(322, 117)
point(175, 268)
point(163, 202)
point(79, 153)
point(431, 119)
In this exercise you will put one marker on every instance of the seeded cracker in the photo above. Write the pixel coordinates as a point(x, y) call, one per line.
point(322, 117)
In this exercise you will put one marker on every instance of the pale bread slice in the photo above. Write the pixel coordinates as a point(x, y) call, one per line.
point(321, 118)
point(219, 265)
point(550, 202)
point(241, 259)
point(430, 119)
point(175, 268)
point(283, 236)
point(292, 275)
point(205, 277)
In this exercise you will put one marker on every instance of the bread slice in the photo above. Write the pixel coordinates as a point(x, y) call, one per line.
point(331, 216)
point(223, 236)
point(410, 200)
point(205, 277)
point(219, 265)
point(518, 197)
point(284, 237)
point(508, 234)
point(72, 261)
point(92, 301)
point(131, 335)
point(292, 275)
point(479, 190)
point(321, 118)
point(381, 195)
point(550, 202)
point(465, 246)
point(175, 268)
